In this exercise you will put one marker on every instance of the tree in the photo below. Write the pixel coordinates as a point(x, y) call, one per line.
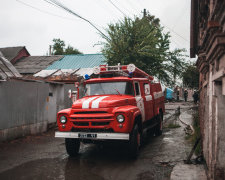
point(59, 48)
point(71, 50)
point(140, 41)
point(176, 64)
point(191, 76)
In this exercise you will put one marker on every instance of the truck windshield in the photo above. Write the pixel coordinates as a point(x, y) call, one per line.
point(109, 88)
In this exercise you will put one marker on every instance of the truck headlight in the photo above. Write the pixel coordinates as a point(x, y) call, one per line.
point(63, 119)
point(120, 118)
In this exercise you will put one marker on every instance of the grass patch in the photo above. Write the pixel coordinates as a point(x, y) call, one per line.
point(171, 125)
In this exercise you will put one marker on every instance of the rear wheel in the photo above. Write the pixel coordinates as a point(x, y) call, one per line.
point(159, 127)
point(134, 142)
point(72, 146)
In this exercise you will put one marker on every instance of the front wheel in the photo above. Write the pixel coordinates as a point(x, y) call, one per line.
point(134, 142)
point(159, 126)
point(72, 146)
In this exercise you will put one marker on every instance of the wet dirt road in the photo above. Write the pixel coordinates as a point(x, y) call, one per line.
point(44, 157)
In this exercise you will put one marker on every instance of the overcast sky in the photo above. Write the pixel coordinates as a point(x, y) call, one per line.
point(35, 28)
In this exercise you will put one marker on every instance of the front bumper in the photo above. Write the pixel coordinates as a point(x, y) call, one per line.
point(100, 136)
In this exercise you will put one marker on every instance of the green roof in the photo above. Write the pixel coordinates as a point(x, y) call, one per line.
point(78, 61)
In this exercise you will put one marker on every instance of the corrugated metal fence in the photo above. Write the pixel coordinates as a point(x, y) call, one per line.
point(22, 103)
point(28, 107)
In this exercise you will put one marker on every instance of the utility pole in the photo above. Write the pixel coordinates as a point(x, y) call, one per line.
point(144, 13)
point(50, 50)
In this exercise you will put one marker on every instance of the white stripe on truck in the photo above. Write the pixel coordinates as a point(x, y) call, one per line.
point(95, 103)
point(86, 103)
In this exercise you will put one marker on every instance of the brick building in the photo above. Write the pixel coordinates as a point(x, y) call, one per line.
point(208, 43)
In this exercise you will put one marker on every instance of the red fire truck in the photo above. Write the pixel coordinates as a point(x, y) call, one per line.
point(121, 104)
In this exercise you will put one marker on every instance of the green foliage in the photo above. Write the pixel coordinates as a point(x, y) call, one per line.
point(71, 50)
point(191, 76)
point(172, 126)
point(141, 41)
point(59, 48)
point(176, 64)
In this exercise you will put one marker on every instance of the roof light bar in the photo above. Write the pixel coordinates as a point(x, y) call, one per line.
point(118, 68)
point(131, 68)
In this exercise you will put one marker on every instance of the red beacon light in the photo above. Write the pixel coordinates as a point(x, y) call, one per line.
point(103, 68)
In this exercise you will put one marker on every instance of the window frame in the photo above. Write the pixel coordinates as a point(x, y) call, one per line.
point(136, 82)
point(145, 88)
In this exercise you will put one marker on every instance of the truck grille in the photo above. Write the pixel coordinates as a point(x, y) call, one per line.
point(81, 123)
point(91, 130)
point(100, 123)
point(80, 118)
point(92, 123)
point(91, 119)
point(91, 112)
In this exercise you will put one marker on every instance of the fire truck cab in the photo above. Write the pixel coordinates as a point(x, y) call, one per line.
point(121, 104)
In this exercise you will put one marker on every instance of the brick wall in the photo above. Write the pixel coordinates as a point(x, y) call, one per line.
point(208, 43)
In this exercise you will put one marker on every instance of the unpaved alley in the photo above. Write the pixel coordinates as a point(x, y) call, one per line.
point(44, 157)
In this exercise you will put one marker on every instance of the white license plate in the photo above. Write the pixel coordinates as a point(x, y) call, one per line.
point(87, 135)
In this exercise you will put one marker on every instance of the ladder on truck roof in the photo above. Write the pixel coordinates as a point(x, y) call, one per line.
point(129, 70)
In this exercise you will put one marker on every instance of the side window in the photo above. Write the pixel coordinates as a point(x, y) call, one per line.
point(137, 90)
point(147, 89)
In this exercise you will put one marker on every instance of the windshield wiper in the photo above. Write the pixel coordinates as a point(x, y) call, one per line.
point(117, 91)
point(85, 91)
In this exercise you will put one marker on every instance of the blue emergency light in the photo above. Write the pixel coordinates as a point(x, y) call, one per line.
point(86, 77)
point(130, 75)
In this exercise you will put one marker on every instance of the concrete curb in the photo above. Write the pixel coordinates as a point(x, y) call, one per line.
point(188, 125)
point(188, 172)
point(183, 171)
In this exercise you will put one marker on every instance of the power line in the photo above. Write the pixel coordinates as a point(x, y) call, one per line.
point(172, 31)
point(175, 33)
point(141, 4)
point(60, 5)
point(133, 7)
point(129, 12)
point(117, 8)
point(44, 11)
point(137, 5)
point(104, 5)
point(184, 10)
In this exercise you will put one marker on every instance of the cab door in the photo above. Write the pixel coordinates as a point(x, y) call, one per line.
point(139, 99)
point(148, 103)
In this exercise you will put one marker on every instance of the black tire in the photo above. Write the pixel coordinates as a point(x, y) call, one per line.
point(159, 126)
point(72, 146)
point(134, 142)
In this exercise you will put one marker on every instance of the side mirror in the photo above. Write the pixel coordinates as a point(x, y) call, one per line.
point(77, 84)
point(77, 92)
point(70, 93)
point(74, 96)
